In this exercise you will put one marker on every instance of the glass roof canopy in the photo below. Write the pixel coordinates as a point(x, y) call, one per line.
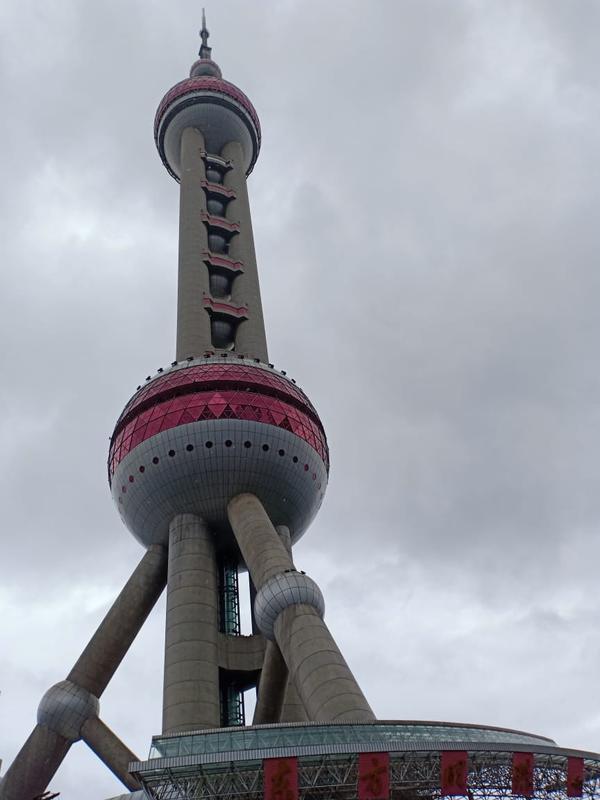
point(389, 735)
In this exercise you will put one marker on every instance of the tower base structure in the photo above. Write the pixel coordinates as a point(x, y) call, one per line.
point(394, 759)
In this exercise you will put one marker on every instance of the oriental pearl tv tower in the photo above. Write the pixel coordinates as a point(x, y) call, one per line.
point(219, 462)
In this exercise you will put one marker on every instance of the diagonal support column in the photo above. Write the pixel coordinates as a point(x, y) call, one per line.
point(35, 765)
point(66, 707)
point(111, 750)
point(115, 634)
point(289, 609)
point(277, 699)
point(272, 687)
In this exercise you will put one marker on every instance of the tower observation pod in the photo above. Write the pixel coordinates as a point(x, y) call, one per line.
point(219, 463)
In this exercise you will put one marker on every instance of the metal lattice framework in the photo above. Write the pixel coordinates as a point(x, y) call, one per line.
point(414, 776)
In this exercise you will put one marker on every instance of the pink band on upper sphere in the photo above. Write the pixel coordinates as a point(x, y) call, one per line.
point(206, 83)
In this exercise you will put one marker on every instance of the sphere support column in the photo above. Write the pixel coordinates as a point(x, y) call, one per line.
point(288, 608)
point(193, 323)
point(250, 338)
point(191, 684)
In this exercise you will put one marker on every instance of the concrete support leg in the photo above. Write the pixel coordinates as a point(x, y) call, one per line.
point(108, 646)
point(277, 699)
point(325, 684)
point(43, 752)
point(293, 708)
point(35, 765)
point(272, 687)
point(191, 685)
point(111, 750)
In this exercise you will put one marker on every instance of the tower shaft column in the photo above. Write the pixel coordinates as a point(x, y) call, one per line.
point(193, 323)
point(325, 684)
point(250, 338)
point(191, 683)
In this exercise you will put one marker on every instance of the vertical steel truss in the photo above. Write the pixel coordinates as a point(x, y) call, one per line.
point(229, 605)
point(232, 699)
point(414, 776)
point(232, 706)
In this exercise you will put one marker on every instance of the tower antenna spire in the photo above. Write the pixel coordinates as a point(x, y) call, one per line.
point(205, 50)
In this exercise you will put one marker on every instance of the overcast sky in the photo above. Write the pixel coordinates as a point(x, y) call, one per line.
point(425, 210)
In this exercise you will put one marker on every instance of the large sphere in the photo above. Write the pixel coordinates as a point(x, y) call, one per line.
point(217, 108)
point(205, 430)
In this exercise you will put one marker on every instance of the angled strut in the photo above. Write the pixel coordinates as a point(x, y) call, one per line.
point(289, 609)
point(69, 710)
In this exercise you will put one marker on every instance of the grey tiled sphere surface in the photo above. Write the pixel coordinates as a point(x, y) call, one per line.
point(199, 467)
point(65, 707)
point(283, 590)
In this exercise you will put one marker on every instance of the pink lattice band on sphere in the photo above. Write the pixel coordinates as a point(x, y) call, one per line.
point(215, 391)
point(206, 83)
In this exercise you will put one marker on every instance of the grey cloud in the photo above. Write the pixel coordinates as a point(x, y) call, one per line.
point(424, 211)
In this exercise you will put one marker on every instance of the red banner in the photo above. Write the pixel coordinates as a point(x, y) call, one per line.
point(280, 778)
point(453, 768)
point(575, 775)
point(373, 776)
point(522, 774)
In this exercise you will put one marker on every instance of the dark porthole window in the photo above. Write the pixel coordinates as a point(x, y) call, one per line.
point(171, 453)
point(265, 447)
point(247, 444)
point(295, 459)
point(155, 460)
point(131, 479)
point(208, 445)
point(306, 468)
point(281, 452)
point(228, 443)
point(142, 468)
point(189, 447)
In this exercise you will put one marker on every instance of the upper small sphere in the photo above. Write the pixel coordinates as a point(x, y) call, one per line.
point(217, 108)
point(205, 66)
point(214, 106)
